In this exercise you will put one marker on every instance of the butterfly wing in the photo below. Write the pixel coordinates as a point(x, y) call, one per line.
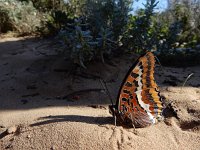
point(139, 102)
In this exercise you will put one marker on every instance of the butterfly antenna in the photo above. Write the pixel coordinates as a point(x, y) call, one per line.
point(103, 83)
point(188, 77)
point(159, 63)
point(167, 104)
point(115, 121)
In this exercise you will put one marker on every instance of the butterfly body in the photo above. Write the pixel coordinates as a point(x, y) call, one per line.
point(139, 103)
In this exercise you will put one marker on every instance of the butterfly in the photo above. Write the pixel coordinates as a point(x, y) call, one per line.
point(139, 103)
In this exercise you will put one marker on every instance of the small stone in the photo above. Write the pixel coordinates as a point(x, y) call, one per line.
point(11, 130)
point(2, 126)
point(168, 122)
point(169, 89)
point(9, 146)
point(53, 147)
point(28, 136)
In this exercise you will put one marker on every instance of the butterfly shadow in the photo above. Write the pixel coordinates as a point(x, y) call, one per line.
point(73, 118)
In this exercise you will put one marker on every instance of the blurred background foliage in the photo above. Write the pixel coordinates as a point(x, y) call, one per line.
point(91, 30)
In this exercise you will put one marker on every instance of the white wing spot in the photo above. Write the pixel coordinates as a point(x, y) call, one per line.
point(139, 96)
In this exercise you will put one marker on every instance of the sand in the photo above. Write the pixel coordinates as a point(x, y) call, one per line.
point(52, 109)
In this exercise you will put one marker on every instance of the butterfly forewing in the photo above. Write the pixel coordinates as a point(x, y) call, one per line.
point(139, 100)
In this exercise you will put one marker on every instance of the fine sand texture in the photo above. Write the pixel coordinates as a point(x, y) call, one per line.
point(46, 103)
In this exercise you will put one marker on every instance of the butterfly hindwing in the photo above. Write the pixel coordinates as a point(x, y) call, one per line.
point(139, 100)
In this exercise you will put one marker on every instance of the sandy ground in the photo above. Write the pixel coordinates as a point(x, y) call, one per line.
point(52, 109)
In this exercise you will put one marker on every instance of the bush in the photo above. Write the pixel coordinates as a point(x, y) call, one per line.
point(96, 31)
point(141, 35)
point(54, 22)
point(6, 22)
point(82, 45)
point(20, 17)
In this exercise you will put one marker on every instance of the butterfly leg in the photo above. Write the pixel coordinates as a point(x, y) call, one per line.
point(115, 120)
point(133, 123)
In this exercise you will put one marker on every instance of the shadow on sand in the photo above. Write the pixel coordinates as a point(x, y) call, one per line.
point(74, 118)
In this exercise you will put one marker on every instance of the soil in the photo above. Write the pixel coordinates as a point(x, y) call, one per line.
point(49, 103)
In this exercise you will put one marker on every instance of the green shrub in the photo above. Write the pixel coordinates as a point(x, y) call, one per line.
point(97, 30)
point(140, 35)
point(83, 46)
point(20, 17)
point(106, 43)
point(6, 23)
point(79, 42)
point(54, 22)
